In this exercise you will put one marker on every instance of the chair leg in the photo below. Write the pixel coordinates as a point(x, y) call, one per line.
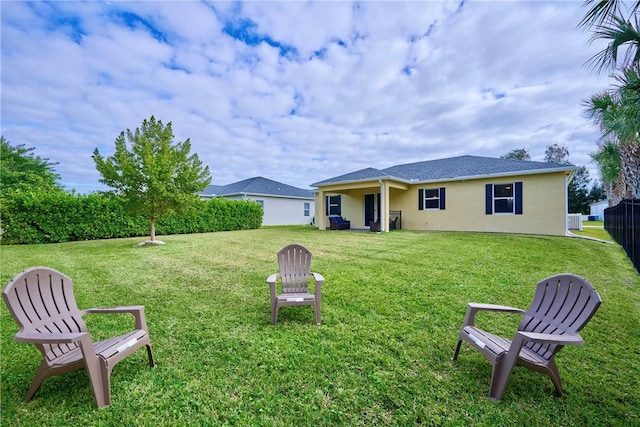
point(274, 314)
point(317, 307)
point(499, 379)
point(152, 363)
point(552, 372)
point(105, 384)
point(455, 354)
point(97, 379)
point(503, 366)
point(41, 375)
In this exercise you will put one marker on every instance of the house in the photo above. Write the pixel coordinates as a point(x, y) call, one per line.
point(597, 209)
point(281, 204)
point(466, 193)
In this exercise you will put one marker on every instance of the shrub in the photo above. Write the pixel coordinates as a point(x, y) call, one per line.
point(52, 217)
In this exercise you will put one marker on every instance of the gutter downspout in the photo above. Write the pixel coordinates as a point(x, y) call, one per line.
point(567, 180)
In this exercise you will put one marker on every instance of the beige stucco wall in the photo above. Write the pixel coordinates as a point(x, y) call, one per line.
point(543, 202)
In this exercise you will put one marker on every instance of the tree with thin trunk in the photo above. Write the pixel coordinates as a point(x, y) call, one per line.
point(155, 176)
point(557, 154)
point(517, 154)
point(578, 191)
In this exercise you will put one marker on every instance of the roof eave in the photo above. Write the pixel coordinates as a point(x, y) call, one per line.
point(458, 178)
point(500, 175)
point(357, 181)
point(282, 196)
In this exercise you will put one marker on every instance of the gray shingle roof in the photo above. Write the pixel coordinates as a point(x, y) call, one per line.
point(447, 169)
point(361, 175)
point(257, 186)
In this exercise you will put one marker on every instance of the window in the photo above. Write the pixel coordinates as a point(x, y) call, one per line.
point(332, 204)
point(504, 198)
point(261, 203)
point(307, 208)
point(431, 198)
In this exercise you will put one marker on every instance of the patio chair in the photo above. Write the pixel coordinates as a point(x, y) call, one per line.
point(295, 273)
point(41, 301)
point(339, 223)
point(561, 306)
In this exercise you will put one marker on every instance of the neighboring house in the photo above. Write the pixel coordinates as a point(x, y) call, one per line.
point(466, 193)
point(281, 204)
point(597, 209)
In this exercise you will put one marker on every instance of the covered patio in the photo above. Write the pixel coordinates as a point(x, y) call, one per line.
point(369, 205)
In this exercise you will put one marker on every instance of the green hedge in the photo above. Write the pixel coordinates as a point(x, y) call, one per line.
point(38, 217)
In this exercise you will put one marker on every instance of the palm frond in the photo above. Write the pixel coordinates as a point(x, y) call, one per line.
point(601, 11)
point(621, 34)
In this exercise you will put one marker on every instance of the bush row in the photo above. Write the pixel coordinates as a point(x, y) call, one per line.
point(39, 217)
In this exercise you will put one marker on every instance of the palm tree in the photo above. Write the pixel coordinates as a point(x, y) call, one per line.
point(608, 158)
point(617, 112)
point(607, 18)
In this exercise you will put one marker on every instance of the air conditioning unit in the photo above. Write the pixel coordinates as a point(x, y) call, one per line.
point(574, 221)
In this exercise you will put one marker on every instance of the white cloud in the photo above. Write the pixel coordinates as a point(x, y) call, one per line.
point(368, 84)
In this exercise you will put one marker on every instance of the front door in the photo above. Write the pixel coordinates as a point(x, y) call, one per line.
point(371, 208)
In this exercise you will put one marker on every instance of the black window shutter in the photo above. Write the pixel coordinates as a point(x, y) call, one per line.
point(518, 196)
point(420, 199)
point(326, 205)
point(442, 198)
point(489, 199)
point(339, 204)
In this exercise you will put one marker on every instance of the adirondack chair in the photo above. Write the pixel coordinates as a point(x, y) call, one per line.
point(295, 273)
point(41, 301)
point(561, 306)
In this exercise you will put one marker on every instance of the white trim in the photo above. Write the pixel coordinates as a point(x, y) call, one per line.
point(282, 196)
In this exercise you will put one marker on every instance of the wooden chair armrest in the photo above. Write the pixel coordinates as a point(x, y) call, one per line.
point(271, 281)
point(272, 278)
point(566, 339)
point(124, 309)
point(494, 307)
point(474, 307)
point(136, 310)
point(318, 278)
point(38, 338)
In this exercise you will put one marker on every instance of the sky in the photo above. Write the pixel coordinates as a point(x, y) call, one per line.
point(294, 91)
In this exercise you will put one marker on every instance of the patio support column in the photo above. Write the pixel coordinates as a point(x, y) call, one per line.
point(320, 210)
point(384, 206)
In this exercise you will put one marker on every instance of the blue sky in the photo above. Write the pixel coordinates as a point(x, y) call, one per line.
point(295, 91)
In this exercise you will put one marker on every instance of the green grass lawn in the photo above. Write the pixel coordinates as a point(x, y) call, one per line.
point(392, 307)
point(594, 229)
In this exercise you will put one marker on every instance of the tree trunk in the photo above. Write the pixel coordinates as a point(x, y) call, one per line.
point(630, 162)
point(614, 195)
point(153, 229)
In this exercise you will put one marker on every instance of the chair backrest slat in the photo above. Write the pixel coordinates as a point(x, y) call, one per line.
point(562, 304)
point(41, 300)
point(295, 267)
